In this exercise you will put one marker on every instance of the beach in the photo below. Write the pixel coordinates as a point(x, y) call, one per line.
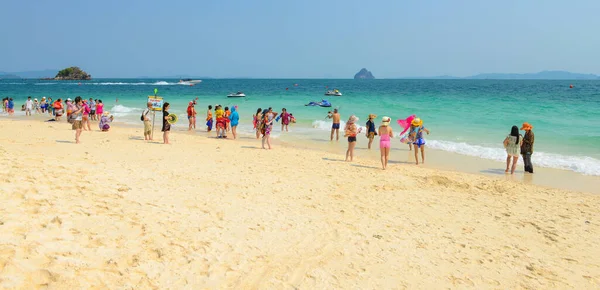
point(202, 213)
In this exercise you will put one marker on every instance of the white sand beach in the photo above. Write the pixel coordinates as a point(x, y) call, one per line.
point(116, 212)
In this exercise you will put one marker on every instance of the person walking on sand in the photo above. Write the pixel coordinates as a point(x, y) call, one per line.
point(350, 131)
point(527, 146)
point(512, 143)
point(385, 135)
point(267, 127)
point(335, 127)
point(166, 126)
point(234, 119)
point(417, 130)
point(371, 129)
point(147, 124)
point(77, 113)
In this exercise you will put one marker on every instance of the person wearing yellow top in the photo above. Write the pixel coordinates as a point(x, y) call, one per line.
point(221, 123)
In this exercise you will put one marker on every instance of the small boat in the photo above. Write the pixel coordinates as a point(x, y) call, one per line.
point(335, 92)
point(237, 95)
point(322, 103)
point(189, 81)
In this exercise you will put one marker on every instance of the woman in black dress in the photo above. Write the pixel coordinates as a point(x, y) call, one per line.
point(166, 126)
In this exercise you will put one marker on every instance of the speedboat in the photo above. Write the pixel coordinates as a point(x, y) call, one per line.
point(322, 103)
point(237, 95)
point(189, 81)
point(335, 92)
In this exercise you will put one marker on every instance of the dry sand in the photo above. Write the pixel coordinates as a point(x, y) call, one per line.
point(118, 213)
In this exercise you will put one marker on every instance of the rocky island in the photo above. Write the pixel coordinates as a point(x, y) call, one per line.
point(72, 73)
point(364, 74)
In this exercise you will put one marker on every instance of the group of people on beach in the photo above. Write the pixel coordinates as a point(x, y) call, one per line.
point(351, 130)
point(263, 122)
point(517, 144)
point(81, 112)
point(225, 121)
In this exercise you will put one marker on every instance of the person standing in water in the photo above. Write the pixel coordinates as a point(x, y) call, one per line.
point(527, 146)
point(512, 143)
point(285, 119)
point(385, 143)
point(335, 128)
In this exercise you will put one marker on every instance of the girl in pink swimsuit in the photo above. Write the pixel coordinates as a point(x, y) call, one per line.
point(385, 134)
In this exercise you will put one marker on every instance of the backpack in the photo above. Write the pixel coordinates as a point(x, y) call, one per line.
point(144, 115)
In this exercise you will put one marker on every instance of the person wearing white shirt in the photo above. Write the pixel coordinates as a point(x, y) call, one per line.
point(28, 106)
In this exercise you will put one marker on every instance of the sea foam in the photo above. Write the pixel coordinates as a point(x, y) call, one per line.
point(580, 164)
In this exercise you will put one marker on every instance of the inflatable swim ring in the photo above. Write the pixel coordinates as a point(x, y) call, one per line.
point(173, 119)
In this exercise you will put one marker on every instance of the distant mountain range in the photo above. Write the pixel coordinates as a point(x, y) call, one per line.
point(49, 73)
point(543, 75)
point(176, 77)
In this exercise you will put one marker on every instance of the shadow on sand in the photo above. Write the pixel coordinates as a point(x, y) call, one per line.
point(251, 147)
point(333, 160)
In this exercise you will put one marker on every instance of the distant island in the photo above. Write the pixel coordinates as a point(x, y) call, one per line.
point(364, 74)
point(72, 73)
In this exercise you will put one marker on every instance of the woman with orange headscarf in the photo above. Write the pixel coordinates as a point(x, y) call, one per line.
point(527, 146)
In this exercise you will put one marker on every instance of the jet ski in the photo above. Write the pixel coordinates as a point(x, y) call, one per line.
point(322, 103)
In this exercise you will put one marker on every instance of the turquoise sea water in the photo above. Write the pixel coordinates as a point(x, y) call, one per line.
point(469, 117)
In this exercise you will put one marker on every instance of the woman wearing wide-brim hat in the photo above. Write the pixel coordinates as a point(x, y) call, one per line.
point(527, 146)
point(417, 130)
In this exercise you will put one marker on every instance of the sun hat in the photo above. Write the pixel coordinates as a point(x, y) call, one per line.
point(385, 121)
point(417, 122)
point(35, 99)
point(526, 126)
point(106, 113)
point(353, 119)
point(372, 116)
point(69, 99)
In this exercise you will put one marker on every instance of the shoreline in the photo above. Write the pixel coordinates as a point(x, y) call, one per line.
point(435, 159)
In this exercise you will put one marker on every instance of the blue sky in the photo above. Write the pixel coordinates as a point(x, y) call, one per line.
point(293, 39)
